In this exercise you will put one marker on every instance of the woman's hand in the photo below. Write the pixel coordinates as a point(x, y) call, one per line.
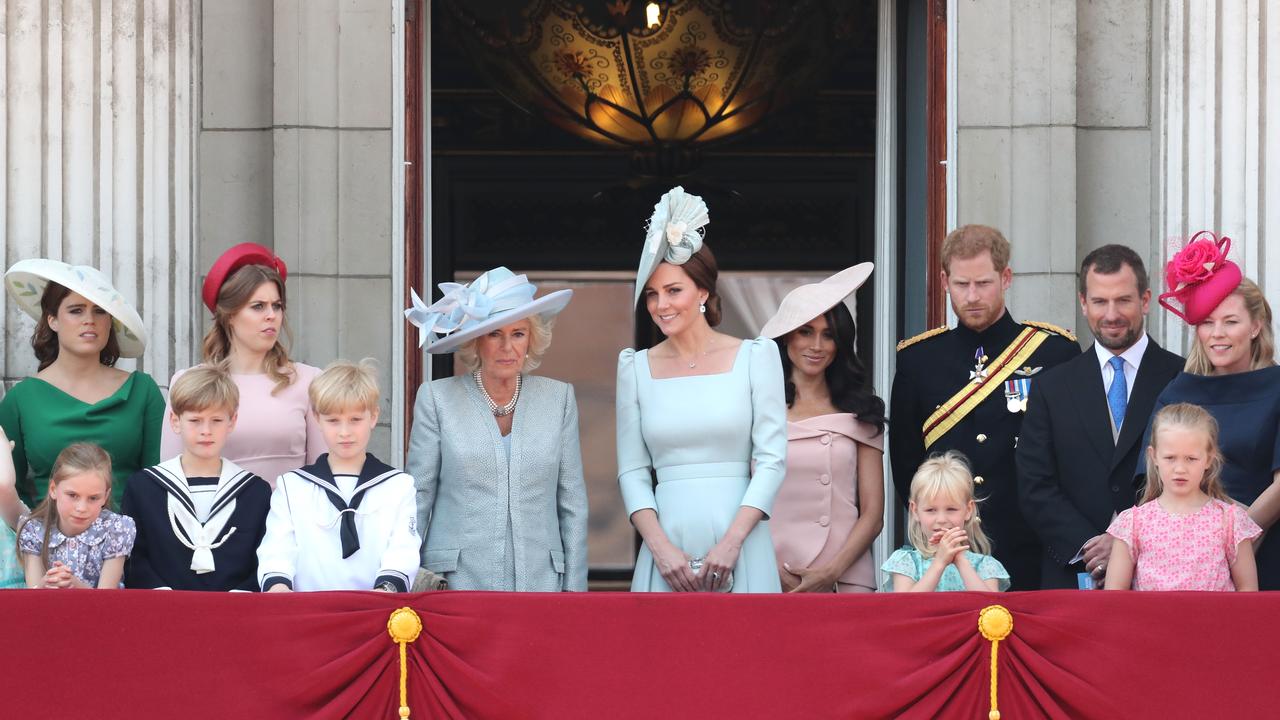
point(813, 579)
point(952, 542)
point(790, 581)
point(718, 565)
point(673, 565)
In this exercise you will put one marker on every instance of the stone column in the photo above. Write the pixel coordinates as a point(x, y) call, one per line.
point(97, 115)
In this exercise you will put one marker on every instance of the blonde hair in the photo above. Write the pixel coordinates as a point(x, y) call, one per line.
point(204, 387)
point(946, 474)
point(343, 385)
point(969, 241)
point(1189, 417)
point(75, 459)
point(1263, 346)
point(539, 341)
point(233, 296)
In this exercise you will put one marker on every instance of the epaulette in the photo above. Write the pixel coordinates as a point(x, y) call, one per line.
point(922, 336)
point(1051, 328)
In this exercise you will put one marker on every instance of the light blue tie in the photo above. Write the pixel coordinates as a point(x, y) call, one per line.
point(1118, 393)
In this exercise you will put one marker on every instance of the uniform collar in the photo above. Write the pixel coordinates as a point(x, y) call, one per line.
point(373, 469)
point(1001, 331)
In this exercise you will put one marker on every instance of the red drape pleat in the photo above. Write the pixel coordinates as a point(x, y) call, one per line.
point(140, 654)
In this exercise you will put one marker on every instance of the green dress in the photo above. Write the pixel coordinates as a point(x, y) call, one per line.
point(41, 420)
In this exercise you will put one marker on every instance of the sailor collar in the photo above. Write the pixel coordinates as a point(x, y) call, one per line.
point(373, 473)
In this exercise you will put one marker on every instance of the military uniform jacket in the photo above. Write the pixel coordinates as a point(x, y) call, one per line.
point(176, 549)
point(930, 372)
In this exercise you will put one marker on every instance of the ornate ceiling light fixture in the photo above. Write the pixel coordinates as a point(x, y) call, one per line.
point(662, 79)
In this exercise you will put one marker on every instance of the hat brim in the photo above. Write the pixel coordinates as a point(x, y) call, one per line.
point(809, 301)
point(547, 306)
point(26, 281)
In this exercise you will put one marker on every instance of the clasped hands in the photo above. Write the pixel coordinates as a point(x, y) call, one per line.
point(673, 565)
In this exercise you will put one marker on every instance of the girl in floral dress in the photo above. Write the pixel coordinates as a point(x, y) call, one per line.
point(1185, 533)
point(71, 540)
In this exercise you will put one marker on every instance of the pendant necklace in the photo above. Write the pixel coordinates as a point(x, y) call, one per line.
point(694, 363)
point(499, 411)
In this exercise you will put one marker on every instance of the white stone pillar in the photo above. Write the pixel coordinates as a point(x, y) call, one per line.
point(96, 117)
point(1219, 161)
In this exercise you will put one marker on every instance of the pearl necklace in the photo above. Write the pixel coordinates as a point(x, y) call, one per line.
point(504, 410)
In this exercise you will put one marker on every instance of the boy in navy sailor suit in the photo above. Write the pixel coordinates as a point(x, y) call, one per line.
point(355, 516)
point(200, 517)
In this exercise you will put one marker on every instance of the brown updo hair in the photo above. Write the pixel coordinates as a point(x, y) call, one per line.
point(233, 296)
point(703, 271)
point(44, 341)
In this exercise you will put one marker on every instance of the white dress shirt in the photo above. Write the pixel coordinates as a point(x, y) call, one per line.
point(1132, 359)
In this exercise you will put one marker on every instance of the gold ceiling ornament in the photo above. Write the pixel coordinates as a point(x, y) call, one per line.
point(404, 626)
point(995, 622)
point(660, 79)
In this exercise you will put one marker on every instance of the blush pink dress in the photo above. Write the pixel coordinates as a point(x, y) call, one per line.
point(1184, 552)
point(817, 505)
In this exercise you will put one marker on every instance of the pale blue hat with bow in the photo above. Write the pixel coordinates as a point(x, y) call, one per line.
point(674, 234)
point(498, 297)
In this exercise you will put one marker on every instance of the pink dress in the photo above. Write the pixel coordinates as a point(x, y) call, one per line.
point(1184, 552)
point(274, 433)
point(814, 511)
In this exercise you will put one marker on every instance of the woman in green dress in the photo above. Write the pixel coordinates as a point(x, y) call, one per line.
point(83, 326)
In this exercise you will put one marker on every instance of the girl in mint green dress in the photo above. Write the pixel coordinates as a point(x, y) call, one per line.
point(948, 550)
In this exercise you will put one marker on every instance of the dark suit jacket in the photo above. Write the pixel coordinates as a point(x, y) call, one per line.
point(1071, 476)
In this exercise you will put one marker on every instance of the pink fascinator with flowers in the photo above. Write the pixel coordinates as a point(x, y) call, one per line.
point(1199, 277)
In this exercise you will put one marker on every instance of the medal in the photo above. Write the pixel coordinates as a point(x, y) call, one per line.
point(1016, 393)
point(979, 373)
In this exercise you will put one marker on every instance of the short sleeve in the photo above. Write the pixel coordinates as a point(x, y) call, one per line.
point(121, 532)
point(1242, 528)
point(768, 425)
point(989, 568)
point(32, 537)
point(1122, 528)
point(634, 461)
point(902, 563)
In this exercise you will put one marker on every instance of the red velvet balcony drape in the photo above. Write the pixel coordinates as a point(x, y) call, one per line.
point(143, 654)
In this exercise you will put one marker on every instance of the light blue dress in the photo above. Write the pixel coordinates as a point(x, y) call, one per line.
point(703, 434)
point(908, 561)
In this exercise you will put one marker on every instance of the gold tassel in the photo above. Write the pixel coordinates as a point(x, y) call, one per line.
point(404, 626)
point(995, 622)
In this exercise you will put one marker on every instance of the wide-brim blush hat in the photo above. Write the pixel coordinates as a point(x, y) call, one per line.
point(674, 234)
point(809, 301)
point(27, 279)
point(498, 297)
point(1199, 277)
point(231, 261)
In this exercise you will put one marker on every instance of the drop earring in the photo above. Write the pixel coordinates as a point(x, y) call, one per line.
point(702, 308)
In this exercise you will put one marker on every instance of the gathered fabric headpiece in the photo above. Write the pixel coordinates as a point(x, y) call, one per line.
point(1199, 277)
point(674, 233)
point(468, 310)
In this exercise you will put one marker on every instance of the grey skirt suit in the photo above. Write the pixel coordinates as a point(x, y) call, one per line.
point(494, 519)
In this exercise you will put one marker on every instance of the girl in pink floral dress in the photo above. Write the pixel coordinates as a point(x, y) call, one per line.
point(1185, 533)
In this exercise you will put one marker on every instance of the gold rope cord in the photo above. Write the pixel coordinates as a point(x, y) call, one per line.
point(995, 622)
point(404, 626)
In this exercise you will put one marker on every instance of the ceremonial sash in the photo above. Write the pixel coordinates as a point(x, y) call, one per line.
point(971, 395)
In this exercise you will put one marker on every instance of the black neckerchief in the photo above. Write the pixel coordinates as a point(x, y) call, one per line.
point(374, 473)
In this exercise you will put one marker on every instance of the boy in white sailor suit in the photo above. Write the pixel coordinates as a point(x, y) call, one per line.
point(347, 522)
point(200, 517)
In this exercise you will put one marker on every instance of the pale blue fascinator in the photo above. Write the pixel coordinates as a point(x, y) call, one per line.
point(498, 297)
point(674, 234)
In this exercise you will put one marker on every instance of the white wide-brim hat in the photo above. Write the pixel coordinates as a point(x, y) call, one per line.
point(809, 301)
point(498, 297)
point(27, 279)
